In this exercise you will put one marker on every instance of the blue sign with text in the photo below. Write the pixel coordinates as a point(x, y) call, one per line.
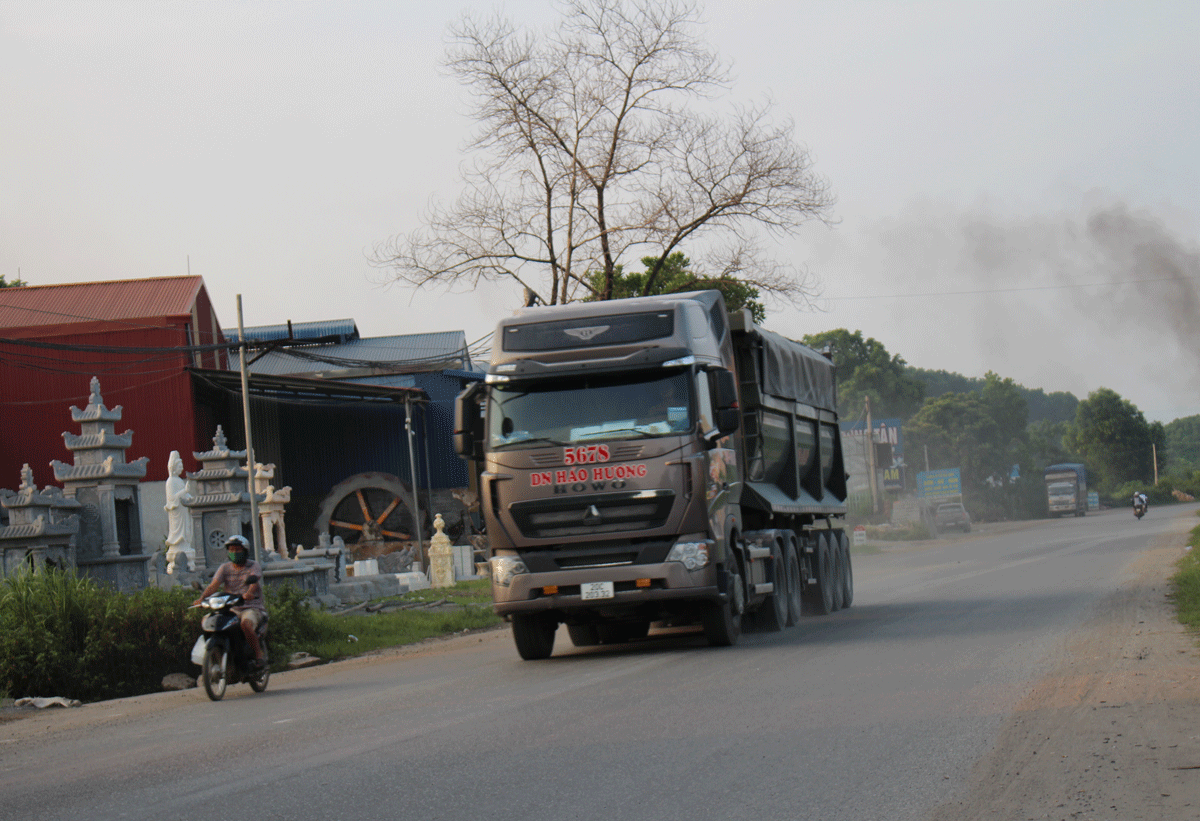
point(934, 483)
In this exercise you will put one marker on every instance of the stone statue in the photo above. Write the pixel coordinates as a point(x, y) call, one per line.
point(441, 556)
point(179, 518)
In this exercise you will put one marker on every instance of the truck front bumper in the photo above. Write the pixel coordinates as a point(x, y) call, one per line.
point(665, 583)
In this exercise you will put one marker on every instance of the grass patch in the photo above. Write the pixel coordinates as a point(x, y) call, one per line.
point(375, 631)
point(422, 614)
point(1186, 583)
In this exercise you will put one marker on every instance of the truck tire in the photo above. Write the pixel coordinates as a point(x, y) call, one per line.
point(847, 570)
point(819, 598)
point(533, 633)
point(837, 588)
point(583, 635)
point(773, 615)
point(722, 621)
point(791, 563)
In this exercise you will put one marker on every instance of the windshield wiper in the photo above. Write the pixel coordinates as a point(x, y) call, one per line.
point(544, 440)
point(608, 434)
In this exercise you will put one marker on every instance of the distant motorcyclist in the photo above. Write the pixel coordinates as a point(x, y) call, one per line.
point(1140, 503)
point(233, 577)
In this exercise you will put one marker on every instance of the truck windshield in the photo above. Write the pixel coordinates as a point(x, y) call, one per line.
point(1062, 488)
point(588, 409)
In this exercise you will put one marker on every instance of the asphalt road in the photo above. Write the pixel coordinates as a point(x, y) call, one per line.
point(877, 712)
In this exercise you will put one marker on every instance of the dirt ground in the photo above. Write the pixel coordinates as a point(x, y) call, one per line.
point(1113, 731)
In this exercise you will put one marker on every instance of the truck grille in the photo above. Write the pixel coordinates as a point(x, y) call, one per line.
point(588, 515)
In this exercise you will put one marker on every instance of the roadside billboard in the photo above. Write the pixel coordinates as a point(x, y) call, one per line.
point(887, 438)
point(933, 484)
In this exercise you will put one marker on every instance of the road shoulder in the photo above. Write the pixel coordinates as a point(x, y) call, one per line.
point(1113, 731)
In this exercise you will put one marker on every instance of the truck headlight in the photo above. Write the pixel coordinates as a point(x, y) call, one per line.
point(693, 555)
point(505, 567)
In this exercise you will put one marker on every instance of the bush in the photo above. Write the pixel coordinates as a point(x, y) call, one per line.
point(64, 635)
point(1159, 494)
point(294, 624)
point(1186, 583)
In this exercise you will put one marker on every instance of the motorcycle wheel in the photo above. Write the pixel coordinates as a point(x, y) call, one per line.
point(258, 681)
point(215, 679)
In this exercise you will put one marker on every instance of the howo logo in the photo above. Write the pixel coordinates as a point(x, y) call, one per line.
point(585, 334)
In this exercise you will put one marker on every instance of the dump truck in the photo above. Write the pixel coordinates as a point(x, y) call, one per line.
point(1066, 489)
point(656, 460)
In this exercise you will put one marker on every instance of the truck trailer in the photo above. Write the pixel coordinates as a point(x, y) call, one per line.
point(656, 460)
point(1066, 489)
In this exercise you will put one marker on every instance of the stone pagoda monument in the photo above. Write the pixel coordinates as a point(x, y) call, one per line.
point(41, 528)
point(220, 504)
point(109, 544)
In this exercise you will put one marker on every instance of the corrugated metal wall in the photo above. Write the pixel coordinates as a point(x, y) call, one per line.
point(38, 386)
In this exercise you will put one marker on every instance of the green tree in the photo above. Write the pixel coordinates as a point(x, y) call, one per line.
point(1114, 439)
point(675, 278)
point(1005, 402)
point(1046, 444)
point(1058, 406)
point(1183, 443)
point(16, 283)
point(959, 432)
point(865, 368)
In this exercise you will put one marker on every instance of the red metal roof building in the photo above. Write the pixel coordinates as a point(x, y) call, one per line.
point(53, 340)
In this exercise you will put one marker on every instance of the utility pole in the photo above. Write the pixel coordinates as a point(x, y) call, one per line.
point(1154, 451)
point(255, 525)
point(412, 470)
point(871, 457)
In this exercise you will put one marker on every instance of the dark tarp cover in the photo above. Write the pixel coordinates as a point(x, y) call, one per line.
point(795, 372)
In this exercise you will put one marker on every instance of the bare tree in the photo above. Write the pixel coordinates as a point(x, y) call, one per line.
point(592, 149)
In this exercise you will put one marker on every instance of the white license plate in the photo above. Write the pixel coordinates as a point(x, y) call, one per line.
point(596, 590)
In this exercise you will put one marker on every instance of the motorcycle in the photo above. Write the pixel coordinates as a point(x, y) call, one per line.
point(1139, 509)
point(221, 650)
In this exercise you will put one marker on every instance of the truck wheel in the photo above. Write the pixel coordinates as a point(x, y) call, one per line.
point(847, 570)
point(820, 603)
point(583, 635)
point(773, 615)
point(722, 621)
point(534, 635)
point(791, 566)
point(839, 571)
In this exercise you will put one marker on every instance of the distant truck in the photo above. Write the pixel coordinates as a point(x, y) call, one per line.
point(656, 460)
point(1066, 489)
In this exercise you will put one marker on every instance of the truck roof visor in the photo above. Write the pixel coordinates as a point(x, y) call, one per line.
point(588, 332)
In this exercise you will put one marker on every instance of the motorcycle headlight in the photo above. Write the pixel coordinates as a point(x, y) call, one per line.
point(693, 555)
point(505, 567)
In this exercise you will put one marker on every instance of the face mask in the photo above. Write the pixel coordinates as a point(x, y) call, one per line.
point(238, 557)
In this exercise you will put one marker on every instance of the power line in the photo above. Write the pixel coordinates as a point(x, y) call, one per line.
point(1010, 290)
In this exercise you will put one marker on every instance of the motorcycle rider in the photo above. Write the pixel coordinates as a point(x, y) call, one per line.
point(231, 577)
point(1139, 498)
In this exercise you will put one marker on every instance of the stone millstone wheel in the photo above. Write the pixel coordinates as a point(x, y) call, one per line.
point(371, 512)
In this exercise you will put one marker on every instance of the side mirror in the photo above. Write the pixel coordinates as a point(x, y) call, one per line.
point(728, 420)
point(724, 388)
point(468, 422)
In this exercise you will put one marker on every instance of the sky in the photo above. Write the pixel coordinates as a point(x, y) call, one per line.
point(1017, 183)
